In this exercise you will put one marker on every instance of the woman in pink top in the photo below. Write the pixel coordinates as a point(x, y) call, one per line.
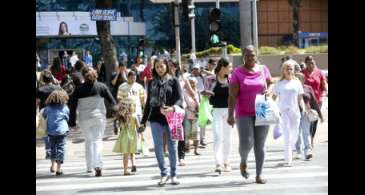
point(314, 77)
point(246, 82)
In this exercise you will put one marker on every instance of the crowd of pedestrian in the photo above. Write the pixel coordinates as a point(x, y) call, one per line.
point(217, 95)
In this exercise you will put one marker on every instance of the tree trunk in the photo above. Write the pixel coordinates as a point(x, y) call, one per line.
point(295, 25)
point(107, 44)
point(296, 4)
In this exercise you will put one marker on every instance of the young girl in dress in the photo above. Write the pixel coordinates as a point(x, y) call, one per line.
point(127, 140)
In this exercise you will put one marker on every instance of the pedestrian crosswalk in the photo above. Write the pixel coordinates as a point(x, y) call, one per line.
point(197, 177)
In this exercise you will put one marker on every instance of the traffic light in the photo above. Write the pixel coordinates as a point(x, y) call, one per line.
point(214, 26)
point(140, 48)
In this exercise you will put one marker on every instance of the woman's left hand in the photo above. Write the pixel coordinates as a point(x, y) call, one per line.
point(167, 109)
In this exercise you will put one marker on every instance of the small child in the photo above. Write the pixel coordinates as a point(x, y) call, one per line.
point(57, 114)
point(191, 123)
point(127, 140)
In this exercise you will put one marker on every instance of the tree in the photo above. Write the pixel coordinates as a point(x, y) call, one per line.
point(107, 44)
point(296, 5)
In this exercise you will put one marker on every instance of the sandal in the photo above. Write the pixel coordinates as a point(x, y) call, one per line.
point(163, 181)
point(59, 173)
point(127, 173)
point(259, 180)
point(244, 173)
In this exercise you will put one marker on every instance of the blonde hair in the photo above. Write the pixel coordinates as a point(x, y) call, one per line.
point(126, 110)
point(57, 97)
point(286, 64)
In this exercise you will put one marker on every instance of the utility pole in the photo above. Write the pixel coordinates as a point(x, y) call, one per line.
point(254, 17)
point(192, 21)
point(248, 23)
point(217, 4)
point(177, 33)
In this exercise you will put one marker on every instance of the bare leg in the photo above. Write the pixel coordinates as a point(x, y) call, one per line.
point(125, 164)
point(52, 166)
point(196, 142)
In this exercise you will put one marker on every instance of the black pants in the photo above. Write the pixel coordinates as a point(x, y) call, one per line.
point(313, 126)
point(181, 149)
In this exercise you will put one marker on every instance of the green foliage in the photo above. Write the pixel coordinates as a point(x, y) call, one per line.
point(269, 50)
point(264, 50)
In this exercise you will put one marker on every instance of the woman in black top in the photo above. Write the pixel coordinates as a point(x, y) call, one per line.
point(163, 95)
point(217, 86)
point(88, 100)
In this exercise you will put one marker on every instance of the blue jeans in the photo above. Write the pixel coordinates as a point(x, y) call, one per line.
point(304, 136)
point(57, 143)
point(157, 133)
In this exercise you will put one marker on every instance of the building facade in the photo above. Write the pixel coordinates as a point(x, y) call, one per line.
point(274, 24)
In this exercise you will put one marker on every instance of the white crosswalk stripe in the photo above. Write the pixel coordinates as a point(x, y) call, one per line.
point(197, 177)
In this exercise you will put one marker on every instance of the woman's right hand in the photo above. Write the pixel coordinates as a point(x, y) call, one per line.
point(231, 120)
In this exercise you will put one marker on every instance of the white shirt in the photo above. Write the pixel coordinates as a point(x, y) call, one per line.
point(73, 60)
point(200, 85)
point(287, 92)
point(134, 91)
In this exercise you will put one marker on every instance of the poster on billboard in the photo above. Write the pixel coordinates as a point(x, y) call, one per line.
point(66, 28)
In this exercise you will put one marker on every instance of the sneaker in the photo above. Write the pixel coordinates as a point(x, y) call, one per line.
point(227, 168)
point(182, 162)
point(202, 143)
point(218, 169)
point(174, 181)
point(297, 156)
point(97, 172)
point(308, 156)
point(89, 170)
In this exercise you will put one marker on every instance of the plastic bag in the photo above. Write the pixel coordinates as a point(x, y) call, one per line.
point(312, 115)
point(41, 129)
point(142, 147)
point(175, 121)
point(267, 112)
point(205, 112)
point(277, 132)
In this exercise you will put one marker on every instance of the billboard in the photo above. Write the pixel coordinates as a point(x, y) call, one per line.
point(65, 24)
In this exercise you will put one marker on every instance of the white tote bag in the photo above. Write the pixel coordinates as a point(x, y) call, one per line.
point(267, 112)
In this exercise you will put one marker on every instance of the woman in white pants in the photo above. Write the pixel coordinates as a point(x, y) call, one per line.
point(88, 99)
point(217, 87)
point(289, 90)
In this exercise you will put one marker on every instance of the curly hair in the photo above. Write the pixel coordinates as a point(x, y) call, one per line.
point(125, 111)
point(57, 97)
point(89, 74)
